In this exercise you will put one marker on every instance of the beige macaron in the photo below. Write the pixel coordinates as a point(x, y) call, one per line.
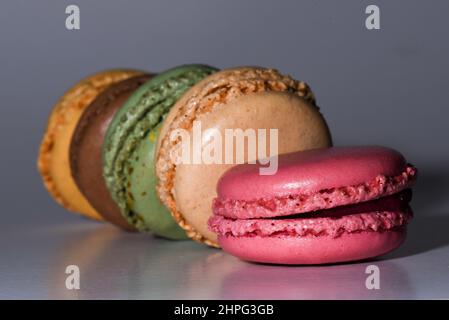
point(239, 98)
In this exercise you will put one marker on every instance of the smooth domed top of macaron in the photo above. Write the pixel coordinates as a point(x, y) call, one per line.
point(311, 171)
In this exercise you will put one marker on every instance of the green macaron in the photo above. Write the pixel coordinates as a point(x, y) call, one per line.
point(130, 143)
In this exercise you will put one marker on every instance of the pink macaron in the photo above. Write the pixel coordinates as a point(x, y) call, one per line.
point(321, 206)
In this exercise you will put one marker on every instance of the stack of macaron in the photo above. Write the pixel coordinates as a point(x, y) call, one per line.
point(107, 153)
point(99, 132)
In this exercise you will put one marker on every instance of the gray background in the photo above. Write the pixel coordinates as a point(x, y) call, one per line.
point(386, 87)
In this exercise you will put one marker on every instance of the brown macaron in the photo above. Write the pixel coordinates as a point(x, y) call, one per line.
point(86, 148)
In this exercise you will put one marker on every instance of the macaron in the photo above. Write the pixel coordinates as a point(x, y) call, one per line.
point(86, 161)
point(130, 142)
point(53, 158)
point(241, 98)
point(322, 206)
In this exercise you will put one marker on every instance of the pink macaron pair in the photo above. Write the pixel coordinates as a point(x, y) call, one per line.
point(322, 206)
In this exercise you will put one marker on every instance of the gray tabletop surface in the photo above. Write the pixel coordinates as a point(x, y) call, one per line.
point(386, 87)
point(118, 265)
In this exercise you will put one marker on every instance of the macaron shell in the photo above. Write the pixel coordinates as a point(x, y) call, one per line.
point(313, 250)
point(221, 80)
point(300, 127)
point(300, 203)
point(311, 171)
point(53, 160)
point(130, 128)
point(86, 148)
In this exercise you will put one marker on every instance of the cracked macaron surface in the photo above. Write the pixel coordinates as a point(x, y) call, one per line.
point(238, 98)
point(128, 151)
point(322, 206)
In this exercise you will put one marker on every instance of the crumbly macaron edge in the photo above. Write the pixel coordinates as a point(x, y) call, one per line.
point(77, 97)
point(219, 88)
point(372, 221)
point(152, 110)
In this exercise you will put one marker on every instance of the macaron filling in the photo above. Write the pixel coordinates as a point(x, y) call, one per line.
point(379, 215)
point(323, 199)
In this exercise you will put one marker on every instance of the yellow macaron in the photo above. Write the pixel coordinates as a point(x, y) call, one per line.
point(53, 160)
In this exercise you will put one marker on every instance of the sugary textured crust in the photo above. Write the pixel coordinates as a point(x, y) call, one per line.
point(78, 97)
point(325, 199)
point(314, 250)
point(219, 88)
